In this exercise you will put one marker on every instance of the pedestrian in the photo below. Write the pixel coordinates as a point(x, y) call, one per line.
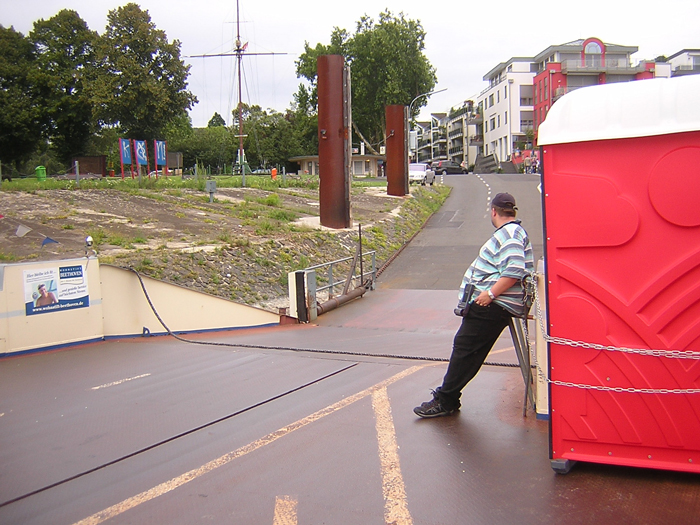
point(491, 293)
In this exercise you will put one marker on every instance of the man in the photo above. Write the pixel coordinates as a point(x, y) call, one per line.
point(493, 284)
point(45, 298)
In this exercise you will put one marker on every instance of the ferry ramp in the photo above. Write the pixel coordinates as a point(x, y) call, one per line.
point(310, 424)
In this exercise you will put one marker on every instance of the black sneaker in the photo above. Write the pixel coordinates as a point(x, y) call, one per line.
point(432, 408)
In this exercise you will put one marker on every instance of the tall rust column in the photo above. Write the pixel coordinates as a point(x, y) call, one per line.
point(333, 141)
point(397, 150)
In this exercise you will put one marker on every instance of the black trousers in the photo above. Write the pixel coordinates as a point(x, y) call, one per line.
point(472, 343)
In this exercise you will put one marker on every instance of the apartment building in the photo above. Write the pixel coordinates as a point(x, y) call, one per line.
point(463, 140)
point(506, 106)
point(567, 67)
point(432, 138)
point(685, 62)
point(522, 90)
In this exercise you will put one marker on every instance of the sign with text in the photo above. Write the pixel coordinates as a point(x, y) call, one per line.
point(141, 153)
point(125, 149)
point(160, 153)
point(55, 289)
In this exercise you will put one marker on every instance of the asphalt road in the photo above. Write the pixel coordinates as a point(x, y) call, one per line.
point(439, 255)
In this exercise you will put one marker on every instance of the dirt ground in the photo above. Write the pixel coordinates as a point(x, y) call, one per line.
point(241, 246)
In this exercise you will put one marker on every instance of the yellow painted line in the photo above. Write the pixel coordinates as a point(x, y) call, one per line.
point(509, 349)
point(115, 383)
point(395, 501)
point(285, 511)
point(178, 481)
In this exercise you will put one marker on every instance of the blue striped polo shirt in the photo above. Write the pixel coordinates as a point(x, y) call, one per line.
point(508, 253)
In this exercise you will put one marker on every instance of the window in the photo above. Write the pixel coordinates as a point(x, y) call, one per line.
point(593, 53)
point(546, 92)
point(499, 121)
point(525, 95)
point(505, 118)
point(505, 92)
point(491, 99)
point(498, 96)
point(493, 123)
point(593, 48)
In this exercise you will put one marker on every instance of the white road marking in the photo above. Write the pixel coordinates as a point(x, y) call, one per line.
point(115, 383)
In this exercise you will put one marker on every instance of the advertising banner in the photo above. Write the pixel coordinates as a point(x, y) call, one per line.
point(125, 149)
point(55, 289)
point(160, 153)
point(141, 153)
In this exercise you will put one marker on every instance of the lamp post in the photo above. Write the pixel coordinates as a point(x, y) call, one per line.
point(410, 106)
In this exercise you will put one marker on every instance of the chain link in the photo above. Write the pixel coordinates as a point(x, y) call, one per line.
point(670, 354)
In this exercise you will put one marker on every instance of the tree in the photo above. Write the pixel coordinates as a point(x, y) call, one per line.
point(20, 117)
point(64, 49)
point(387, 67)
point(216, 121)
point(141, 82)
point(303, 120)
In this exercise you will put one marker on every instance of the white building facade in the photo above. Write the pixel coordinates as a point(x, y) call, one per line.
point(507, 107)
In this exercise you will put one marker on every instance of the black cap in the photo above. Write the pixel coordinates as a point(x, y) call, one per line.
point(504, 200)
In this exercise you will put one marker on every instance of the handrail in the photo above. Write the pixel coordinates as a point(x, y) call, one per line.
point(332, 283)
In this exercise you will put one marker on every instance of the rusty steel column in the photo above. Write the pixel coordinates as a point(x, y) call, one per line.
point(397, 150)
point(333, 135)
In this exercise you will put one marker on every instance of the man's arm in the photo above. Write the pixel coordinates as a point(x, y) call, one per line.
point(484, 299)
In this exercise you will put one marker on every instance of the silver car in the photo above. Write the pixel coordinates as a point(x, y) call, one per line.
point(420, 172)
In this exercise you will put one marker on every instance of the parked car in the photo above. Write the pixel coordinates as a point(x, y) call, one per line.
point(444, 167)
point(420, 172)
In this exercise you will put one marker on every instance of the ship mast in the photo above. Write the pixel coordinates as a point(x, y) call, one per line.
point(238, 52)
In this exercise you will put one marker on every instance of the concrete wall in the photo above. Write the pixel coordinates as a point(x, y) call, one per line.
point(127, 312)
point(86, 302)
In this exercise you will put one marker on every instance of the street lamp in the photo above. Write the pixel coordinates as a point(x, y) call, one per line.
point(410, 106)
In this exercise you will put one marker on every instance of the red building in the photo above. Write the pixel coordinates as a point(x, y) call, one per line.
point(566, 67)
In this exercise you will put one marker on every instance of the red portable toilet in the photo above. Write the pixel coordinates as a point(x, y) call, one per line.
point(621, 207)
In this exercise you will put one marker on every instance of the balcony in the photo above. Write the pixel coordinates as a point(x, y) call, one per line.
point(477, 118)
point(476, 140)
point(612, 65)
point(459, 132)
point(458, 150)
point(685, 70)
point(561, 91)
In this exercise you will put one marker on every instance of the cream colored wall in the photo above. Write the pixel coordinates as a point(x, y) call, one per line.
point(19, 331)
point(117, 307)
point(127, 312)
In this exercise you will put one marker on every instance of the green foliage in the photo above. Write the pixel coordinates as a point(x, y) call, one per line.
point(387, 63)
point(65, 58)
point(216, 121)
point(141, 81)
point(20, 118)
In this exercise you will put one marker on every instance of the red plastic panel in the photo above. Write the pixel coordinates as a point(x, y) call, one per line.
point(622, 223)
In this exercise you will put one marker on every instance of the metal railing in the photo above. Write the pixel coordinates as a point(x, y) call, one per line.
point(329, 275)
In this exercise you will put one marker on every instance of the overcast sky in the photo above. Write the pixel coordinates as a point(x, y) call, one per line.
point(464, 40)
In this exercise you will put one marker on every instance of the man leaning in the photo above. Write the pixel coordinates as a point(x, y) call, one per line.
point(491, 293)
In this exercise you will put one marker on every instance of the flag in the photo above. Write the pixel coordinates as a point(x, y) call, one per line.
point(125, 149)
point(48, 240)
point(160, 153)
point(22, 230)
point(141, 154)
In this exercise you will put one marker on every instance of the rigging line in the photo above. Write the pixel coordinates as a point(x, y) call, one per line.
point(175, 437)
point(296, 349)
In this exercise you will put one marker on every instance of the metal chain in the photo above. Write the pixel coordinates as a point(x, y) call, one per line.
point(670, 354)
point(602, 388)
point(677, 354)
